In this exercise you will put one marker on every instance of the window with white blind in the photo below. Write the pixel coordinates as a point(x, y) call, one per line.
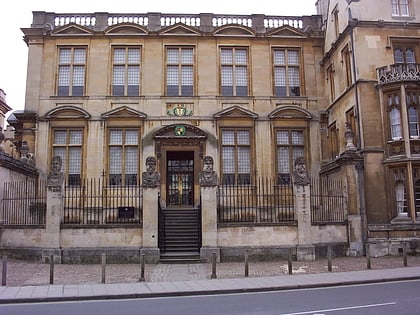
point(286, 72)
point(400, 7)
point(236, 157)
point(123, 157)
point(394, 109)
point(413, 104)
point(126, 71)
point(290, 145)
point(234, 71)
point(179, 71)
point(71, 71)
point(67, 144)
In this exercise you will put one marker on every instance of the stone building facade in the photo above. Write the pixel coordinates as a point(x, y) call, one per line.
point(338, 89)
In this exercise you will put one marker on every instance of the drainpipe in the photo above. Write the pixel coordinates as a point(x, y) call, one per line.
point(359, 166)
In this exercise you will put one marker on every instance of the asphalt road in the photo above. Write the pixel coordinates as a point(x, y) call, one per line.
point(400, 297)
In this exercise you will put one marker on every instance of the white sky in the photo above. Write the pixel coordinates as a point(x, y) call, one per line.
point(13, 50)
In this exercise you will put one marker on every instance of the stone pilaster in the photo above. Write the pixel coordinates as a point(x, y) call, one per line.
point(150, 224)
point(209, 223)
point(54, 215)
point(305, 251)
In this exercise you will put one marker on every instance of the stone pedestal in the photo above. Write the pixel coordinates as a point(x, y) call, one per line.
point(355, 235)
point(150, 224)
point(209, 223)
point(54, 215)
point(305, 251)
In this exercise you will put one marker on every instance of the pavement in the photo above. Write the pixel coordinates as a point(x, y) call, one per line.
point(176, 280)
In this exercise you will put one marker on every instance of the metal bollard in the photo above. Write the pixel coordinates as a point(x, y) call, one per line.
point(368, 257)
point(405, 254)
point(4, 270)
point(246, 264)
point(142, 268)
point(289, 262)
point(213, 266)
point(329, 258)
point(103, 261)
point(51, 269)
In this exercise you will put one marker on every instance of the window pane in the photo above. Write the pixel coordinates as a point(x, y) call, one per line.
point(240, 57)
point(133, 75)
point(294, 76)
point(227, 76)
point(60, 137)
point(395, 120)
point(134, 55)
point(241, 76)
point(413, 122)
point(172, 55)
point(79, 76)
point(64, 76)
point(244, 160)
point(118, 75)
point(75, 137)
point(131, 160)
point(410, 56)
point(280, 76)
point(228, 158)
point(283, 160)
point(65, 56)
point(75, 159)
point(228, 137)
point(115, 159)
point(187, 56)
point(279, 57)
point(172, 75)
point(187, 75)
point(115, 137)
point(398, 56)
point(243, 137)
point(79, 56)
point(226, 56)
point(131, 137)
point(293, 57)
point(297, 137)
point(119, 55)
point(282, 137)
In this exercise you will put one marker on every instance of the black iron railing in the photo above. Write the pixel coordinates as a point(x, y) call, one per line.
point(24, 203)
point(262, 203)
point(94, 202)
point(328, 201)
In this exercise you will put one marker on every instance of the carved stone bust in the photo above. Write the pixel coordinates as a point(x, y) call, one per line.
point(151, 178)
point(208, 177)
point(300, 174)
point(55, 177)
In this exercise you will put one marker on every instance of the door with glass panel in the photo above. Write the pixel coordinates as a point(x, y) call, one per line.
point(180, 178)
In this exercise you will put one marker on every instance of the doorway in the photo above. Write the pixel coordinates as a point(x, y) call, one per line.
point(180, 178)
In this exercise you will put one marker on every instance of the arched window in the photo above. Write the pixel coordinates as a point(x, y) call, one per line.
point(417, 195)
point(395, 122)
point(398, 56)
point(400, 198)
point(413, 121)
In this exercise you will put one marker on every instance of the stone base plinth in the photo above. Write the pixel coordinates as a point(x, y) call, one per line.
point(305, 253)
point(151, 254)
point(55, 252)
point(206, 254)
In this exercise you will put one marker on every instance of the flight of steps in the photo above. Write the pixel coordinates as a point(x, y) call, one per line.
point(180, 240)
